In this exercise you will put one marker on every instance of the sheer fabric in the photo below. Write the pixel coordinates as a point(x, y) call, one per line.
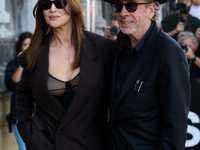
point(63, 91)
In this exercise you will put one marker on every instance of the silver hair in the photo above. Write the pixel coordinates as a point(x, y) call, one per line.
point(186, 35)
point(157, 9)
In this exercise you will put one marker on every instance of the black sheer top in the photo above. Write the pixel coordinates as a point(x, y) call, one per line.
point(63, 91)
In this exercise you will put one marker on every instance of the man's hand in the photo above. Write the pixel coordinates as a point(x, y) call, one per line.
point(190, 53)
point(180, 27)
point(107, 31)
point(197, 34)
point(23, 50)
point(108, 34)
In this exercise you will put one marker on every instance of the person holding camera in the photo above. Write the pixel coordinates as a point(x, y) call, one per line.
point(181, 21)
point(187, 41)
point(112, 30)
point(13, 74)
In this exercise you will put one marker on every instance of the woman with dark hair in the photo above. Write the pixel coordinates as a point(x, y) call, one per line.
point(66, 75)
point(12, 77)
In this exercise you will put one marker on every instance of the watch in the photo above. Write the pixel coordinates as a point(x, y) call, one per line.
point(193, 59)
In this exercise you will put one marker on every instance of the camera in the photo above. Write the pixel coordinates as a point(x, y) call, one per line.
point(184, 47)
point(181, 19)
point(181, 6)
point(114, 30)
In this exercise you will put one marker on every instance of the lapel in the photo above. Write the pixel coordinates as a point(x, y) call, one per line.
point(142, 62)
point(39, 82)
point(89, 77)
point(114, 72)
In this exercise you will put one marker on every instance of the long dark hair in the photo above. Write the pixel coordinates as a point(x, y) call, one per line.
point(42, 28)
point(23, 36)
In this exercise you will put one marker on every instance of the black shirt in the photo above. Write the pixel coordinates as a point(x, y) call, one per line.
point(127, 57)
point(63, 91)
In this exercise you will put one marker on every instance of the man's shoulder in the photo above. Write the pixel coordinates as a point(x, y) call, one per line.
point(163, 41)
point(194, 19)
point(171, 17)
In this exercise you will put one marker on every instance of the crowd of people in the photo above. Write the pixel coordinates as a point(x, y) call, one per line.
point(129, 89)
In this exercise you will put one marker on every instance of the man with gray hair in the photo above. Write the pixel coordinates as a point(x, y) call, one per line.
point(150, 94)
point(187, 41)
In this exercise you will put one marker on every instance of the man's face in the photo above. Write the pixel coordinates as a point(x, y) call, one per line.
point(134, 22)
point(114, 23)
point(188, 42)
point(189, 3)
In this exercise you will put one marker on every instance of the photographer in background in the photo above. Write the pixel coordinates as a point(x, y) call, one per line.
point(12, 78)
point(187, 41)
point(181, 21)
point(112, 30)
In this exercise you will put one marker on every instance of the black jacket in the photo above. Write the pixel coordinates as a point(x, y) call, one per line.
point(83, 125)
point(152, 115)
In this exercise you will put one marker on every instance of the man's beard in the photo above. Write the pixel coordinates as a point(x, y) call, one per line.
point(130, 31)
point(186, 11)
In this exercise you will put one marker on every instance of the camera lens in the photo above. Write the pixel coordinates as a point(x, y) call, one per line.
point(184, 47)
point(113, 30)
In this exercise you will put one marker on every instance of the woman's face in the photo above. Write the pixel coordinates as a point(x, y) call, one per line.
point(25, 43)
point(57, 17)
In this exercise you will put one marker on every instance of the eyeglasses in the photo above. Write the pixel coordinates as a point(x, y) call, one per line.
point(130, 7)
point(45, 5)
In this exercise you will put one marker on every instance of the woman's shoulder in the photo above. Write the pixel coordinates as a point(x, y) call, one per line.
point(22, 59)
point(106, 46)
point(98, 39)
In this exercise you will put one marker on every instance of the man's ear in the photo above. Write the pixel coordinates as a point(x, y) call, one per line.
point(152, 7)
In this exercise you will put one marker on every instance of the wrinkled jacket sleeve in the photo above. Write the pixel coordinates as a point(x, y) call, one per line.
point(24, 101)
point(174, 96)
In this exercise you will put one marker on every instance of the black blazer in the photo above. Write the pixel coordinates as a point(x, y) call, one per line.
point(152, 114)
point(83, 126)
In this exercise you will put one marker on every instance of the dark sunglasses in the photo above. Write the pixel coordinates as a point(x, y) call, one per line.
point(130, 7)
point(45, 5)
